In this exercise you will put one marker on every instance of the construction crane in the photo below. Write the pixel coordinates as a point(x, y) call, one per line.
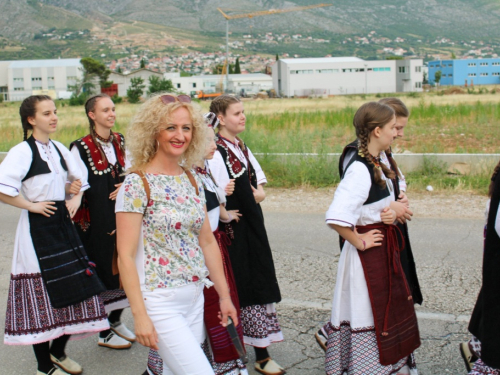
point(257, 14)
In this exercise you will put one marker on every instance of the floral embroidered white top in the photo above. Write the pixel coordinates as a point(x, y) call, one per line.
point(168, 253)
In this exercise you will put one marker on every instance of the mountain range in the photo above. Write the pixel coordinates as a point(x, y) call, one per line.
point(21, 21)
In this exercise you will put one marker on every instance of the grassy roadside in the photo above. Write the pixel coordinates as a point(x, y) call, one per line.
point(468, 123)
point(321, 172)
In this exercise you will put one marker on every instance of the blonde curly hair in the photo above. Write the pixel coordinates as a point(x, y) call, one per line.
point(146, 125)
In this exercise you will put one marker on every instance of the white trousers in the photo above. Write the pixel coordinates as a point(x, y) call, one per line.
point(177, 314)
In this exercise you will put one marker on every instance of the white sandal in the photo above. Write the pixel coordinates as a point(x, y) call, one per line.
point(270, 368)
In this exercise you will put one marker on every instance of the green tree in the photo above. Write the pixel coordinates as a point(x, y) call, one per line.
point(94, 68)
point(453, 56)
point(217, 69)
point(231, 70)
point(437, 77)
point(119, 69)
point(135, 90)
point(237, 68)
point(143, 64)
point(277, 57)
point(159, 85)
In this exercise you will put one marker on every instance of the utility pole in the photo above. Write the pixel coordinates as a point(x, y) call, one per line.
point(227, 56)
point(366, 78)
point(256, 14)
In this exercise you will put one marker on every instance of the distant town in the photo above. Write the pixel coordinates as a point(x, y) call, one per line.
point(196, 63)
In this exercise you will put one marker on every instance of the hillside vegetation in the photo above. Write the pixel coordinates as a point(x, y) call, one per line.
point(198, 25)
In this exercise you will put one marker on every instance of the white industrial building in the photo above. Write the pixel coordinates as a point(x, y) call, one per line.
point(124, 80)
point(345, 75)
point(250, 84)
point(20, 79)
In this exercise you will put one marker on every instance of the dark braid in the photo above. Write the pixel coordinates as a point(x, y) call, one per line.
point(392, 161)
point(368, 117)
point(493, 177)
point(28, 109)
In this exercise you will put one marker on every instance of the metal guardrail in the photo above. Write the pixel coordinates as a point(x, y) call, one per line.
point(407, 162)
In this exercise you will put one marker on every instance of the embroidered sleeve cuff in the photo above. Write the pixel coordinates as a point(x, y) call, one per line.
point(9, 190)
point(261, 177)
point(340, 223)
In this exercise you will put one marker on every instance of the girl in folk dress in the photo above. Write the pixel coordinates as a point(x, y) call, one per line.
point(165, 246)
point(102, 160)
point(249, 251)
point(54, 289)
point(401, 206)
point(484, 324)
point(373, 328)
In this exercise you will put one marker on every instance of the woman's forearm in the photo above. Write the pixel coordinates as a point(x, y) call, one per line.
point(17, 201)
point(128, 227)
point(213, 260)
point(131, 285)
point(349, 235)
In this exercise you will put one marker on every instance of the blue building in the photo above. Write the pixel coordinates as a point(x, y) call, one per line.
point(461, 72)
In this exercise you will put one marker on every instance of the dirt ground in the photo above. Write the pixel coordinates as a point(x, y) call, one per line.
point(428, 204)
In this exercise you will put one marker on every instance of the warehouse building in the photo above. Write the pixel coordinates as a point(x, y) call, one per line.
point(466, 72)
point(345, 75)
point(20, 79)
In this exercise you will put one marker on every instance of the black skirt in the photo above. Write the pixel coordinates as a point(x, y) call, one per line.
point(66, 271)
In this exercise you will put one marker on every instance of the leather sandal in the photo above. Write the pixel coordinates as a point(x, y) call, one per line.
point(468, 357)
point(270, 368)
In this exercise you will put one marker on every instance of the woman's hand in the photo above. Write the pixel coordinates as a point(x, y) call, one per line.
point(234, 215)
point(73, 204)
point(229, 189)
point(43, 208)
point(145, 332)
point(388, 216)
point(258, 193)
point(113, 195)
point(74, 187)
point(369, 239)
point(403, 213)
point(403, 198)
point(227, 309)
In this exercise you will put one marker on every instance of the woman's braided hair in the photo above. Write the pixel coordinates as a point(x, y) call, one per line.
point(493, 177)
point(28, 109)
point(368, 117)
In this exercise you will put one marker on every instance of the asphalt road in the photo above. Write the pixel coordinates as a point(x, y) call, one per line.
point(448, 254)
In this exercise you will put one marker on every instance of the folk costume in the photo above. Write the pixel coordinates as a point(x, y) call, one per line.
point(249, 251)
point(484, 323)
point(54, 289)
point(103, 162)
point(399, 183)
point(218, 346)
point(373, 327)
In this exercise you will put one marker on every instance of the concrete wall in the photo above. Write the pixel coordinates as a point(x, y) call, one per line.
point(410, 162)
point(406, 162)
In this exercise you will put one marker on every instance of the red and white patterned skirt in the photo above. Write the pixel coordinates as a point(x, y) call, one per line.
point(31, 319)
